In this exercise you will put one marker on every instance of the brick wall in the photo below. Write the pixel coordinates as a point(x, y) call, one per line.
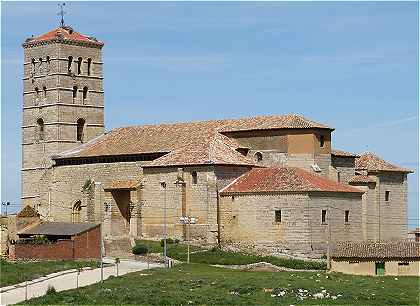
point(82, 246)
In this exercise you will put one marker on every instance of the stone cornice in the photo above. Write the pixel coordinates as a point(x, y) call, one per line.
point(63, 104)
point(31, 44)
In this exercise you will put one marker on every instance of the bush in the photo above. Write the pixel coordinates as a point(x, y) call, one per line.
point(41, 239)
point(51, 290)
point(140, 249)
point(168, 241)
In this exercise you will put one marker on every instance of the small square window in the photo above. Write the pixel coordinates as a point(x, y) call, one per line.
point(323, 216)
point(346, 216)
point(277, 216)
point(387, 196)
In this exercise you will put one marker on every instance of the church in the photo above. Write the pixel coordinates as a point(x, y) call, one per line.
point(269, 182)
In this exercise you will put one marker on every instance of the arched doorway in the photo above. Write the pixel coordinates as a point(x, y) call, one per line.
point(75, 213)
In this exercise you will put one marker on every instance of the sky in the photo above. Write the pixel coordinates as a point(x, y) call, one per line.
point(351, 65)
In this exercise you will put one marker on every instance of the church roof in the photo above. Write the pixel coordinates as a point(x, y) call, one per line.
point(373, 163)
point(340, 153)
point(189, 143)
point(62, 34)
point(284, 179)
point(219, 150)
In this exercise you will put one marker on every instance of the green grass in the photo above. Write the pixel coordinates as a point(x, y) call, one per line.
point(14, 273)
point(205, 285)
point(219, 257)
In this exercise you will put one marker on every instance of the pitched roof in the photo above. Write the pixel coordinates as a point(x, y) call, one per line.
point(381, 249)
point(284, 179)
point(360, 178)
point(373, 163)
point(218, 151)
point(59, 228)
point(121, 184)
point(62, 34)
point(340, 153)
point(169, 137)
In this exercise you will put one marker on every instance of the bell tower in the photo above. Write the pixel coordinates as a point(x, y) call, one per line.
point(63, 101)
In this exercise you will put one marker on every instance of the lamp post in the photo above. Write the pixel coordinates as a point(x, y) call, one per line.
point(187, 221)
point(163, 185)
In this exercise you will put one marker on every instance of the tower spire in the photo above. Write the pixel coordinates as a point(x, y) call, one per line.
point(61, 13)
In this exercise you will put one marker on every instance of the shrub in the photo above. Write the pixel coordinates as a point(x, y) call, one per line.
point(51, 290)
point(41, 239)
point(168, 241)
point(139, 249)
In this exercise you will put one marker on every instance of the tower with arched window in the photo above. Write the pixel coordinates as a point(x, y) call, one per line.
point(63, 101)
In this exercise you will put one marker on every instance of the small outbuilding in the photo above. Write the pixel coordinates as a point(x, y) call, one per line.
point(399, 257)
point(58, 241)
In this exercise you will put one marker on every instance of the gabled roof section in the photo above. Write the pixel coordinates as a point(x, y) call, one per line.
point(169, 137)
point(380, 249)
point(121, 184)
point(340, 153)
point(284, 179)
point(63, 34)
point(59, 228)
point(373, 163)
point(361, 178)
point(218, 151)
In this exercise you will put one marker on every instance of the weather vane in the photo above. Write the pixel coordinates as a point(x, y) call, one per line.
point(62, 13)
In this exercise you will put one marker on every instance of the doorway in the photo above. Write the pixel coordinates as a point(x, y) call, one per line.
point(380, 268)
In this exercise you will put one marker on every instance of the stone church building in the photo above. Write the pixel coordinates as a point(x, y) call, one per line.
point(267, 181)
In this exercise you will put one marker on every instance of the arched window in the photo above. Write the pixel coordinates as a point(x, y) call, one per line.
point(36, 95)
point(194, 177)
point(75, 89)
point(79, 132)
point(79, 65)
point(75, 212)
point(258, 157)
point(41, 129)
point(85, 92)
point(89, 63)
point(69, 63)
point(44, 89)
point(48, 64)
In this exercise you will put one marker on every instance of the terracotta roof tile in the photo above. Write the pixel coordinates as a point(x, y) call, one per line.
point(62, 34)
point(340, 153)
point(59, 228)
point(361, 179)
point(169, 137)
point(219, 151)
point(121, 184)
point(381, 249)
point(371, 162)
point(284, 179)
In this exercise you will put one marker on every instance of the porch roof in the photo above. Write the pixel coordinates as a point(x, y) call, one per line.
point(121, 184)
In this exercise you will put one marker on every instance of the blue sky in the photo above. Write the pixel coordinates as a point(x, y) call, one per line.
point(352, 65)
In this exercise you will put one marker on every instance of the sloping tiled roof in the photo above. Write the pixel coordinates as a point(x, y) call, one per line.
point(218, 151)
point(284, 179)
point(121, 184)
point(59, 228)
point(169, 137)
point(340, 153)
point(62, 34)
point(371, 162)
point(382, 249)
point(361, 179)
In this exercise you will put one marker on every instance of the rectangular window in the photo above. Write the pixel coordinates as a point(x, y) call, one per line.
point(387, 196)
point(321, 141)
point(353, 262)
point(346, 216)
point(277, 215)
point(404, 263)
point(323, 216)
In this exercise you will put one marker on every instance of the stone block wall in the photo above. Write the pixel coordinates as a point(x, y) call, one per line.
point(251, 219)
point(345, 167)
